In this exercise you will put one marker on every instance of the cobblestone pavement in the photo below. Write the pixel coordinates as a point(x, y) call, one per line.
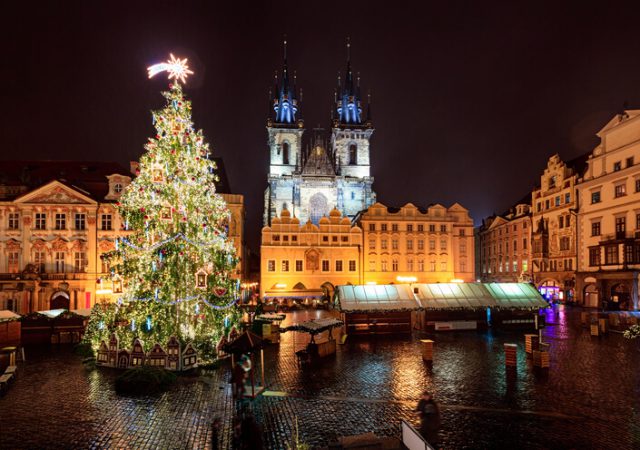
point(590, 397)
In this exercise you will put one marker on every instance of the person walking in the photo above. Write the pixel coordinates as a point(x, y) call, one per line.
point(429, 412)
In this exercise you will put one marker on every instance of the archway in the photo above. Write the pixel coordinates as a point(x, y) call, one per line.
point(59, 300)
point(550, 290)
point(591, 297)
point(328, 290)
point(620, 297)
point(299, 287)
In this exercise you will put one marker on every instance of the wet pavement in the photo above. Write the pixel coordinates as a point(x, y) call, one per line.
point(589, 398)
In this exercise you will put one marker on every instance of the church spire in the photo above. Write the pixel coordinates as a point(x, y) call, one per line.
point(348, 102)
point(285, 103)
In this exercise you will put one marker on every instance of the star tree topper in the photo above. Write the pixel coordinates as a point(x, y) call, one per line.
point(176, 67)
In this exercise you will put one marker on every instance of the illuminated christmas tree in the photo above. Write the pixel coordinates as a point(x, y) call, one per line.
point(174, 259)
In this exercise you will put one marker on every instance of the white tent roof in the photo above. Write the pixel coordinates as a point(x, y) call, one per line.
point(392, 297)
point(6, 315)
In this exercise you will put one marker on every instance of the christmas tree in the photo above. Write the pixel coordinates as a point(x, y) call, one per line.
point(174, 259)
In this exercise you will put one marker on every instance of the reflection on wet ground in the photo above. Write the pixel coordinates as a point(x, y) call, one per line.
point(589, 398)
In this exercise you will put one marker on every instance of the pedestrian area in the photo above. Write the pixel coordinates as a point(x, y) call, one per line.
point(588, 398)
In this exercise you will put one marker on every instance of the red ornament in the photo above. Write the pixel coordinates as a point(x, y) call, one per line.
point(157, 136)
point(173, 152)
point(146, 217)
point(141, 209)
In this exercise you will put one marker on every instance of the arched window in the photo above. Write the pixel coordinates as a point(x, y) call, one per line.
point(353, 155)
point(285, 153)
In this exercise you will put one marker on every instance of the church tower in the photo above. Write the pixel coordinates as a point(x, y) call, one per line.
point(352, 127)
point(285, 128)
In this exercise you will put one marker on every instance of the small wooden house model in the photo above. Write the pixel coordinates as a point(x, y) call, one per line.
point(189, 357)
point(103, 354)
point(157, 357)
point(113, 351)
point(138, 355)
point(173, 354)
point(123, 359)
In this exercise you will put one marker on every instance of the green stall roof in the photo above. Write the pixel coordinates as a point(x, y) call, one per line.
point(439, 296)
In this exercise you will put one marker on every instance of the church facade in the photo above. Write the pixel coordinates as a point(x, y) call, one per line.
point(326, 171)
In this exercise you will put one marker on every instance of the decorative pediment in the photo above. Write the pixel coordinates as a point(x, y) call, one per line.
point(79, 246)
point(106, 245)
point(59, 245)
point(12, 245)
point(55, 193)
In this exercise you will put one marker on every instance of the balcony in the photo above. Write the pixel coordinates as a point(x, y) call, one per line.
point(619, 236)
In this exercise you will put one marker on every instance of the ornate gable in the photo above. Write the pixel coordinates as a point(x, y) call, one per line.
point(55, 193)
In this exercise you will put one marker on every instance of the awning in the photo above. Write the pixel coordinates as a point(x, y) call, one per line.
point(392, 297)
point(315, 326)
point(7, 316)
point(301, 294)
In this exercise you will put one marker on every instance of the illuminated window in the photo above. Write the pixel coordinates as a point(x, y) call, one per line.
point(443, 245)
point(61, 221)
point(394, 244)
point(525, 265)
point(410, 244)
point(383, 266)
point(611, 254)
point(617, 166)
point(38, 260)
point(420, 265)
point(13, 262)
point(372, 244)
point(79, 262)
point(271, 265)
point(14, 221)
point(117, 188)
point(595, 197)
point(595, 228)
point(443, 228)
point(383, 227)
point(285, 265)
point(383, 244)
point(620, 190)
point(394, 265)
point(59, 262)
point(410, 265)
point(409, 228)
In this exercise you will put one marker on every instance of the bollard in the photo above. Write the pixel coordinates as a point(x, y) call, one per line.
point(541, 359)
point(511, 356)
point(595, 329)
point(602, 325)
point(531, 342)
point(427, 349)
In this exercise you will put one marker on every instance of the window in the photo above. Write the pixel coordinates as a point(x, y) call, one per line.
point(515, 227)
point(59, 262)
point(515, 246)
point(106, 267)
point(13, 262)
point(38, 260)
point(539, 207)
point(462, 232)
point(353, 155)
point(299, 265)
point(394, 244)
point(383, 266)
point(383, 244)
point(621, 227)
point(638, 185)
point(344, 238)
point(421, 228)
point(432, 228)
point(443, 228)
point(394, 265)
point(637, 221)
point(611, 254)
point(525, 265)
point(285, 265)
point(409, 228)
point(552, 182)
point(410, 244)
point(14, 221)
point(372, 244)
point(463, 265)
point(432, 244)
point(443, 266)
point(565, 243)
point(394, 227)
point(524, 243)
point(325, 265)
point(372, 227)
point(276, 238)
point(81, 221)
point(61, 221)
point(443, 245)
point(325, 238)
point(595, 197)
point(557, 200)
point(271, 265)
point(339, 265)
point(561, 222)
point(420, 244)
point(372, 266)
point(463, 248)
point(421, 265)
point(617, 166)
point(383, 227)
point(524, 225)
point(334, 238)
point(352, 265)
point(630, 161)
point(515, 266)
point(285, 153)
point(595, 228)
point(294, 238)
point(105, 222)
point(410, 265)
point(432, 266)
point(546, 204)
point(620, 190)
point(79, 262)
point(567, 221)
point(285, 238)
point(567, 197)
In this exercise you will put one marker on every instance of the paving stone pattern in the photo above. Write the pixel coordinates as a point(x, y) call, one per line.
point(590, 397)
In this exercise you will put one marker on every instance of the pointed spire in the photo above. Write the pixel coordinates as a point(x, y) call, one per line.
point(348, 105)
point(285, 104)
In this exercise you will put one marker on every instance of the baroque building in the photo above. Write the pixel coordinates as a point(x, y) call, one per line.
point(609, 218)
point(421, 245)
point(57, 218)
point(555, 208)
point(505, 246)
point(329, 171)
point(308, 261)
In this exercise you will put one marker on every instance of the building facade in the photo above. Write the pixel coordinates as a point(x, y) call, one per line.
point(423, 246)
point(308, 261)
point(505, 246)
point(609, 218)
point(57, 219)
point(328, 172)
point(554, 213)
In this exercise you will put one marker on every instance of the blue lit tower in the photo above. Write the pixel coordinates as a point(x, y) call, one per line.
point(285, 128)
point(350, 138)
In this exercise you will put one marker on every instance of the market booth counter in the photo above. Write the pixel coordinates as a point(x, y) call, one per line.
point(56, 326)
point(315, 328)
point(377, 309)
point(10, 329)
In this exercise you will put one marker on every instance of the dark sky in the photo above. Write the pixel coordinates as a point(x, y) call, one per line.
point(469, 98)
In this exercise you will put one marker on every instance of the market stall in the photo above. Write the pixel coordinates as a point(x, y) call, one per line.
point(314, 328)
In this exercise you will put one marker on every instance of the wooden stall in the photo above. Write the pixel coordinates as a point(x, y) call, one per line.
point(57, 326)
point(251, 345)
point(314, 328)
point(10, 329)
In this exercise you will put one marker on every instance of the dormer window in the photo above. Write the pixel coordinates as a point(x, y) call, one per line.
point(117, 188)
point(552, 182)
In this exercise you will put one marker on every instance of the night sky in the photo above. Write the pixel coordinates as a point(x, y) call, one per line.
point(469, 98)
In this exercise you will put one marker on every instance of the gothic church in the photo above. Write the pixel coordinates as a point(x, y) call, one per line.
point(329, 171)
